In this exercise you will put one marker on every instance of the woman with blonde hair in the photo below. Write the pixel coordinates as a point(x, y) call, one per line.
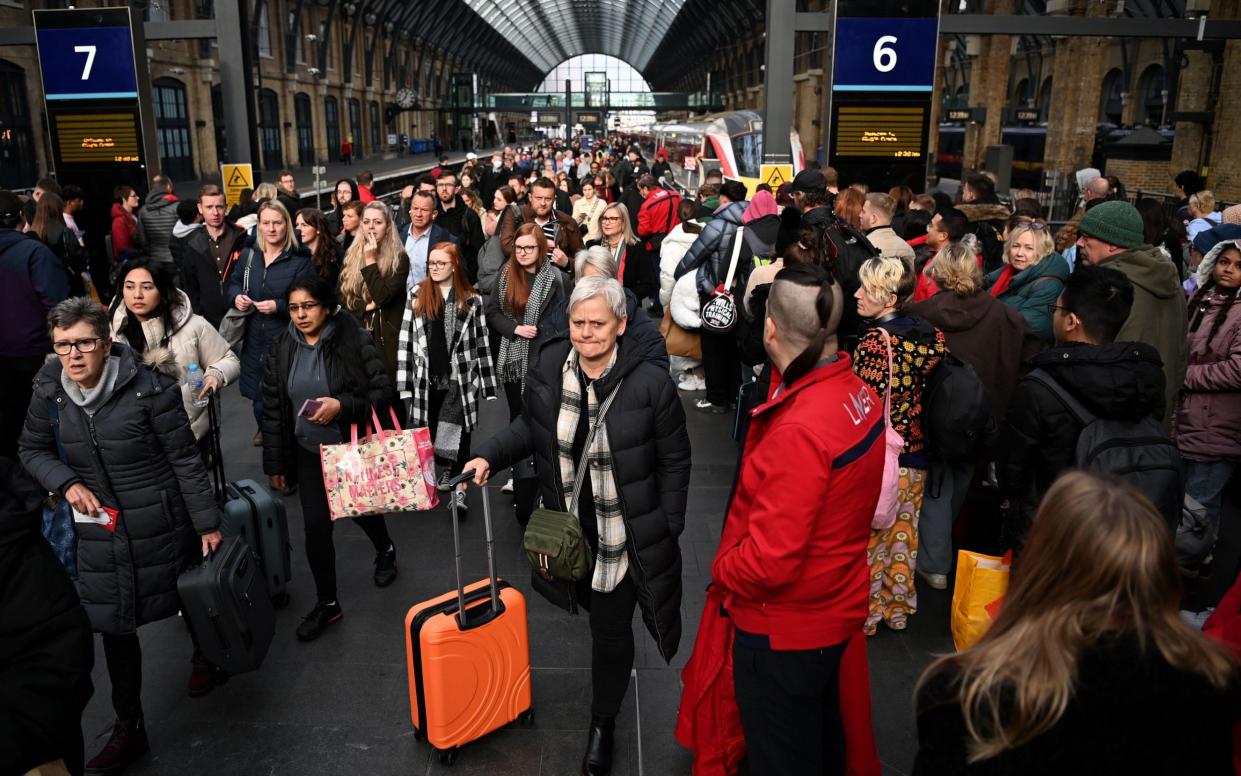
point(995, 340)
point(1088, 668)
point(372, 281)
point(444, 360)
point(1032, 277)
point(906, 349)
point(635, 268)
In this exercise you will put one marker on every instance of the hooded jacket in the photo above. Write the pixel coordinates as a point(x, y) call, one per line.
point(673, 248)
point(192, 341)
point(356, 378)
point(1207, 423)
point(137, 455)
point(1158, 314)
point(985, 333)
point(651, 459)
point(1032, 290)
point(155, 223)
point(32, 282)
point(1038, 440)
point(711, 252)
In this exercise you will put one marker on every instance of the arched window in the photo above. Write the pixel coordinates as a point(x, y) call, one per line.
point(269, 130)
point(305, 130)
point(373, 108)
point(1044, 101)
point(1150, 96)
point(172, 129)
point(1110, 105)
point(1022, 94)
point(355, 126)
point(331, 120)
point(17, 159)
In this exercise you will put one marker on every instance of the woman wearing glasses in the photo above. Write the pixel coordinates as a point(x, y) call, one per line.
point(1032, 277)
point(323, 374)
point(635, 268)
point(444, 360)
point(529, 289)
point(109, 435)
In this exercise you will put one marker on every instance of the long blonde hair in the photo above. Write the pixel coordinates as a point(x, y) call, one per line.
point(352, 290)
point(1099, 562)
point(626, 235)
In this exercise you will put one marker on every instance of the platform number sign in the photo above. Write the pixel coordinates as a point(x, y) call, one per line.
point(885, 55)
point(87, 61)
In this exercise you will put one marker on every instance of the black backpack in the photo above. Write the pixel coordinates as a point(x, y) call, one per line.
point(1138, 452)
point(848, 249)
point(958, 422)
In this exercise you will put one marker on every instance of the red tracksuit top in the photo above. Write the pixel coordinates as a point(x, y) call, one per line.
point(792, 559)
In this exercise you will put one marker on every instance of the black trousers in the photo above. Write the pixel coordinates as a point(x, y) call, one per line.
point(525, 485)
point(790, 707)
point(123, 654)
point(16, 387)
point(463, 449)
point(317, 523)
point(722, 364)
point(611, 646)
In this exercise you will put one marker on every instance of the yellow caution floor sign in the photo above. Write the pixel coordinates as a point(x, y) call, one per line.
point(776, 174)
point(236, 177)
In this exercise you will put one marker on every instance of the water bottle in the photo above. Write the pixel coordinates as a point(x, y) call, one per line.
point(194, 378)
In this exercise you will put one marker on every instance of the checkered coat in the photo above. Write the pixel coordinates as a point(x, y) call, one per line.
point(470, 355)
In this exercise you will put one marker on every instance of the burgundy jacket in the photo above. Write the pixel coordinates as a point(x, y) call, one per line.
point(1207, 424)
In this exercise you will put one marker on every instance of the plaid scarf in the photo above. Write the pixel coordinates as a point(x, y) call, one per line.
point(451, 421)
point(515, 350)
point(611, 562)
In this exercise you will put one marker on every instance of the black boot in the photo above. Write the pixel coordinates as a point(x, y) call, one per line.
point(598, 758)
point(127, 743)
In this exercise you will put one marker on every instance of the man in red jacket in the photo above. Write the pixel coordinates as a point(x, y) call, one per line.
point(658, 213)
point(792, 560)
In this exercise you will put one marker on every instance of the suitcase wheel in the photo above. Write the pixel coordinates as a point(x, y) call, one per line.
point(447, 756)
point(280, 600)
point(526, 718)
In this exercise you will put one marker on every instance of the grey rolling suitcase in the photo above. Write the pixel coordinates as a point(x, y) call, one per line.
point(249, 512)
point(226, 602)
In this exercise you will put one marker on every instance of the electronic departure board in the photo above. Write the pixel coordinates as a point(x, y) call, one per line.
point(883, 73)
point(87, 138)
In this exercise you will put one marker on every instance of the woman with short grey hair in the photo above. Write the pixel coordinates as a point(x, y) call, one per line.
point(638, 463)
point(108, 433)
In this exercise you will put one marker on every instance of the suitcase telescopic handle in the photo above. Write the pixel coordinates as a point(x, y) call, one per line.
point(465, 476)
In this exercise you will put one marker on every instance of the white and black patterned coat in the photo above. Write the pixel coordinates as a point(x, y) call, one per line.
point(469, 355)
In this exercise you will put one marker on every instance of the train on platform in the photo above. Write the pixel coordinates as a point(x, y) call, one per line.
point(731, 142)
point(1029, 146)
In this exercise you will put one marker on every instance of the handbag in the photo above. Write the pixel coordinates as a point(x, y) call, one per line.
point(982, 582)
point(233, 325)
point(58, 527)
point(394, 471)
point(678, 341)
point(719, 312)
point(893, 444)
point(554, 542)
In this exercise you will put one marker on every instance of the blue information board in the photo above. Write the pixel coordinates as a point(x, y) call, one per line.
point(885, 55)
point(89, 63)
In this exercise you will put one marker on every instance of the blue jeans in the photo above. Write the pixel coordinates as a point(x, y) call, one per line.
point(947, 485)
point(1205, 481)
point(257, 405)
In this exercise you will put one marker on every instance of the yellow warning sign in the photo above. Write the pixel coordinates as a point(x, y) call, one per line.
point(236, 177)
point(775, 174)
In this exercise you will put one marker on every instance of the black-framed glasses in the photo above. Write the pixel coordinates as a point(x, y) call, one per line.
point(525, 248)
point(1051, 309)
point(438, 264)
point(65, 347)
point(294, 307)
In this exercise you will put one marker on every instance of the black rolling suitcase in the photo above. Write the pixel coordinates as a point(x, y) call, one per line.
point(249, 512)
point(226, 602)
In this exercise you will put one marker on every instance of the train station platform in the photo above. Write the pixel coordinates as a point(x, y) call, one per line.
point(340, 705)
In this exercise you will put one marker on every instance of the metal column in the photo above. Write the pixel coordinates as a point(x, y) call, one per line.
point(236, 84)
point(778, 75)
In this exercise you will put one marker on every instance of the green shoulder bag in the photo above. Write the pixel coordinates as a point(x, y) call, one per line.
point(555, 545)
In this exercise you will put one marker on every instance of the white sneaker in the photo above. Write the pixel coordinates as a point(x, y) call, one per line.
point(507, 487)
point(936, 581)
point(692, 382)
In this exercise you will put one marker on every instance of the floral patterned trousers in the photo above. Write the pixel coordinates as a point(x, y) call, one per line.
point(892, 555)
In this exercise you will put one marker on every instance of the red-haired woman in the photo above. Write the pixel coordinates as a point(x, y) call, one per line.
point(443, 359)
point(529, 288)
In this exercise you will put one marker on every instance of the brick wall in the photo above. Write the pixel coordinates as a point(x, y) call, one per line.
point(1141, 174)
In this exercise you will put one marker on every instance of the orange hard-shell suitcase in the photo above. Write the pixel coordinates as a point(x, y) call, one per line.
point(468, 656)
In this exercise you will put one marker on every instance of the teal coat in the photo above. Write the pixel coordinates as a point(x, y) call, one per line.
point(1033, 289)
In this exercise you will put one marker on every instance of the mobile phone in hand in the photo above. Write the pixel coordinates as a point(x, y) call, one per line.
point(309, 407)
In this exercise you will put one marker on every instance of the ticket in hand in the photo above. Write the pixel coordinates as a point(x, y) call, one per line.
point(105, 517)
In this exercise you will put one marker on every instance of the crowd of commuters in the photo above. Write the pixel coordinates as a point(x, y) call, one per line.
point(553, 275)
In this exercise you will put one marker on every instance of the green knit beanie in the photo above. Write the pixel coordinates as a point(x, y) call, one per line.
point(1117, 223)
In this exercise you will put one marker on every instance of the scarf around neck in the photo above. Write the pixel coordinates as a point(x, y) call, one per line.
point(514, 360)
